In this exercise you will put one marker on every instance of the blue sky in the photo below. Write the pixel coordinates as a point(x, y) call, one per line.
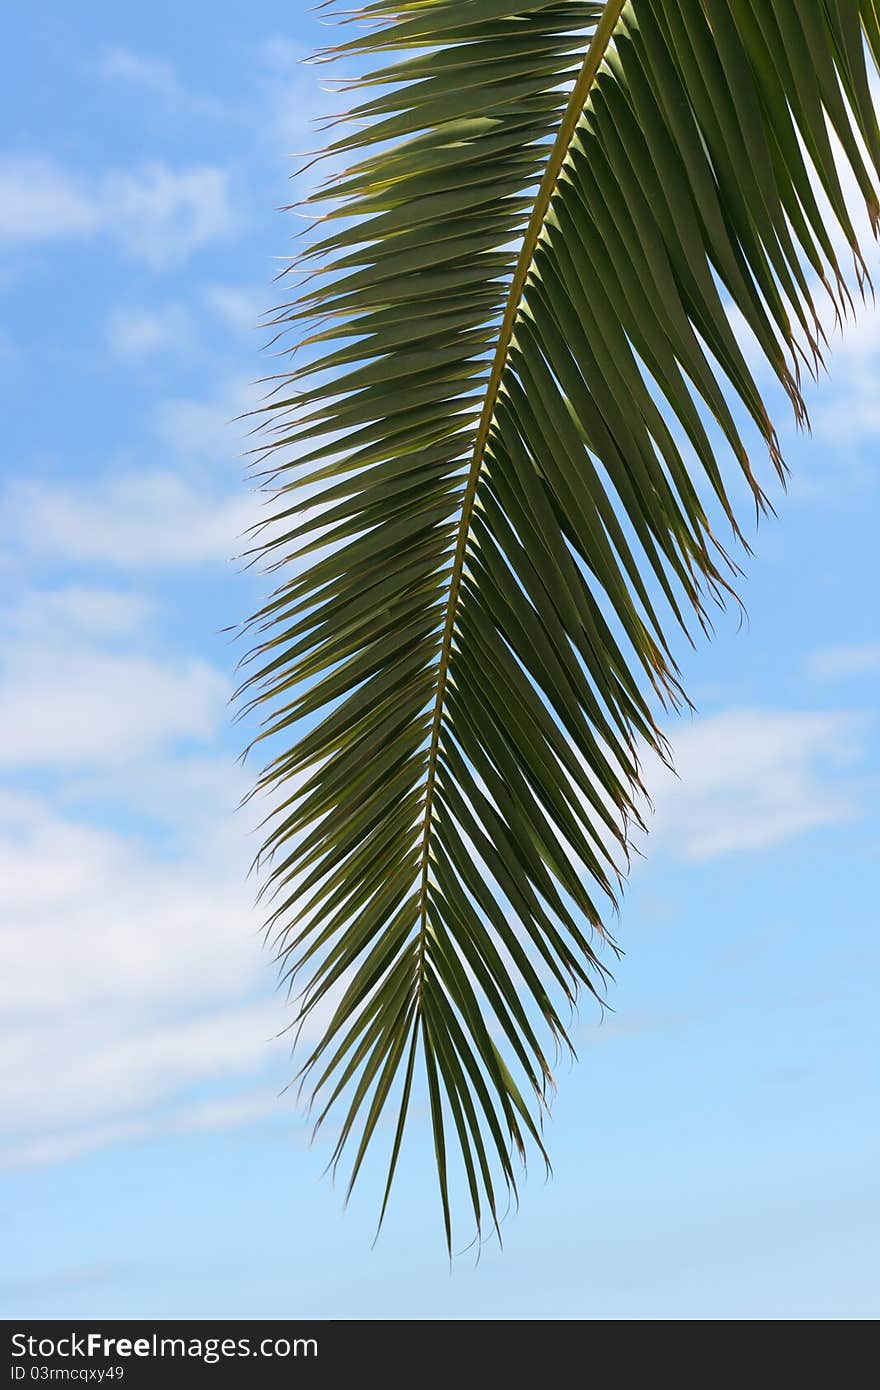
point(716, 1146)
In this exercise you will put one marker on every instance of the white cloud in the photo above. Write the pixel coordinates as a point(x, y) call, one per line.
point(192, 797)
point(280, 54)
point(844, 660)
point(76, 607)
point(121, 64)
point(132, 968)
point(293, 94)
point(133, 332)
point(107, 1067)
point(239, 307)
point(97, 920)
point(161, 215)
point(69, 705)
point(131, 961)
point(209, 427)
point(156, 76)
point(130, 521)
point(749, 779)
point(136, 331)
point(39, 201)
point(67, 700)
point(154, 214)
point(126, 975)
point(71, 1143)
point(131, 978)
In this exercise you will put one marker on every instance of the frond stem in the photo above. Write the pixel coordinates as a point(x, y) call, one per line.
point(577, 101)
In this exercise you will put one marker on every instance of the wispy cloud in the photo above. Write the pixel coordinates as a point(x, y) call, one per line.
point(40, 201)
point(293, 94)
point(137, 332)
point(749, 779)
point(80, 688)
point(190, 1119)
point(132, 977)
point(128, 521)
point(130, 955)
point(76, 608)
point(155, 214)
point(134, 973)
point(210, 426)
point(237, 306)
point(156, 76)
point(162, 215)
point(847, 408)
point(107, 706)
point(844, 660)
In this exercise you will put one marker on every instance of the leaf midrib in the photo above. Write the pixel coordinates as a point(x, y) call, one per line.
point(580, 92)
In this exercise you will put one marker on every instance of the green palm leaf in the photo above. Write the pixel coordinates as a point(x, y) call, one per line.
point(520, 401)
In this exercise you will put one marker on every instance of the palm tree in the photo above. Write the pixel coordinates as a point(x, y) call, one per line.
point(498, 468)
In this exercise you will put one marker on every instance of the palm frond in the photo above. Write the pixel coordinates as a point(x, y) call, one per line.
point(520, 398)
